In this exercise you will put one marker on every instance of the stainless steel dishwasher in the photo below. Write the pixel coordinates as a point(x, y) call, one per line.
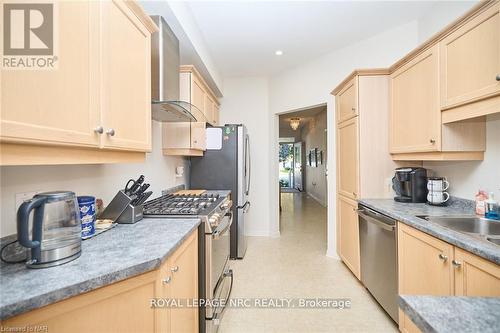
point(379, 260)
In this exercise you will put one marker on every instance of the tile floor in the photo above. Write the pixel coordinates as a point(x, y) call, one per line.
point(295, 266)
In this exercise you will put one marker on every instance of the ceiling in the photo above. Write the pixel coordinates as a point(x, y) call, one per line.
point(243, 35)
point(305, 116)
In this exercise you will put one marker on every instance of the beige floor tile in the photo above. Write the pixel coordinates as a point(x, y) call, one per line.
point(295, 266)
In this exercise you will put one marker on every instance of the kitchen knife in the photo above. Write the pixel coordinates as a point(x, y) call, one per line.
point(137, 184)
point(142, 189)
point(143, 198)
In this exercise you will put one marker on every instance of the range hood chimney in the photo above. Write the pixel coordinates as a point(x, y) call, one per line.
point(165, 63)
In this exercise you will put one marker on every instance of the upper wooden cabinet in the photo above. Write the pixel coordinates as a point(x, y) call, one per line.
point(470, 67)
point(193, 89)
point(184, 139)
point(415, 115)
point(348, 158)
point(347, 101)
point(94, 99)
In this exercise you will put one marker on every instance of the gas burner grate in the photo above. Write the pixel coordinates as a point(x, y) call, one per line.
point(180, 204)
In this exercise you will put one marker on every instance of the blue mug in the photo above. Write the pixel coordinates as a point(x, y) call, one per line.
point(86, 205)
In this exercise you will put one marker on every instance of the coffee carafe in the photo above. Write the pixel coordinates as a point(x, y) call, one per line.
point(56, 231)
point(410, 184)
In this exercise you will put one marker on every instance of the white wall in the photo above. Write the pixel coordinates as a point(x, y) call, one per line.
point(311, 84)
point(467, 177)
point(246, 102)
point(314, 135)
point(441, 14)
point(102, 181)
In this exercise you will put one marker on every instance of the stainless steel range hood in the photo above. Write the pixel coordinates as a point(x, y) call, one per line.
point(165, 62)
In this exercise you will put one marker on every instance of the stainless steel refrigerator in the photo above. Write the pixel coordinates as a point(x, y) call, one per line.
point(226, 166)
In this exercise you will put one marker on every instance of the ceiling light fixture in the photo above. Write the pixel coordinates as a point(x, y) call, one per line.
point(278, 52)
point(294, 123)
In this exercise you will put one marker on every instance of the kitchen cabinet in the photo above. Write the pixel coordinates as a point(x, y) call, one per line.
point(475, 276)
point(193, 89)
point(348, 158)
point(347, 101)
point(125, 306)
point(429, 266)
point(184, 139)
point(417, 132)
point(348, 231)
point(94, 101)
point(470, 67)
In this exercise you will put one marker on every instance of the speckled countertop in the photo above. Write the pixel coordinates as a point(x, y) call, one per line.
point(122, 252)
point(407, 213)
point(442, 314)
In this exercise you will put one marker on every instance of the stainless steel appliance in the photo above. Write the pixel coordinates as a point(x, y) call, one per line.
point(410, 184)
point(226, 165)
point(56, 231)
point(165, 61)
point(379, 261)
point(216, 278)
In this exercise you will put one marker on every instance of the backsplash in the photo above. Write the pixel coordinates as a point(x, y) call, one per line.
point(467, 177)
point(101, 181)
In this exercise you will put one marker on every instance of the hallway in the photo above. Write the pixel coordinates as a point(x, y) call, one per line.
point(295, 266)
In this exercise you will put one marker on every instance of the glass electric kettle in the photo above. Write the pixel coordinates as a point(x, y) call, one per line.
point(56, 231)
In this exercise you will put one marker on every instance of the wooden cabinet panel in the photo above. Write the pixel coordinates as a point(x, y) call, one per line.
point(198, 136)
point(184, 267)
point(198, 94)
point(415, 112)
point(57, 106)
point(475, 276)
point(347, 101)
point(347, 221)
point(348, 158)
point(184, 139)
point(126, 65)
point(470, 60)
point(424, 263)
point(216, 115)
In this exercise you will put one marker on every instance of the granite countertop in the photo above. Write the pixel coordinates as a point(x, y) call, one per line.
point(407, 213)
point(441, 314)
point(120, 253)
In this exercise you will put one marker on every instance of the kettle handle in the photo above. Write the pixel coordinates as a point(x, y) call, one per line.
point(23, 215)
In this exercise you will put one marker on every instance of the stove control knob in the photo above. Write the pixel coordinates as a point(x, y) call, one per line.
point(213, 220)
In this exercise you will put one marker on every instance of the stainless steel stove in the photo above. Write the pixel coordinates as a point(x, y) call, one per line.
point(214, 210)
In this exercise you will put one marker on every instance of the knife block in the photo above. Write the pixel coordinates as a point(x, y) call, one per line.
point(131, 214)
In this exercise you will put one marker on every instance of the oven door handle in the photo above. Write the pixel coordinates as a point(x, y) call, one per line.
point(220, 231)
point(217, 315)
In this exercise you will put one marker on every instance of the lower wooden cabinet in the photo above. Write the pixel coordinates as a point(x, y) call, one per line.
point(125, 306)
point(429, 266)
point(348, 231)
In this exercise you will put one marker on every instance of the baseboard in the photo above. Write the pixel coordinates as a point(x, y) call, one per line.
point(332, 254)
point(274, 234)
point(322, 203)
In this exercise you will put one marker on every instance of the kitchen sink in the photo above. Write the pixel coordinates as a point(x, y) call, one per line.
point(468, 224)
point(493, 240)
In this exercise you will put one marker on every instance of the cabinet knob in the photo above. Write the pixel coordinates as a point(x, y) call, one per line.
point(174, 269)
point(353, 109)
point(455, 263)
point(110, 132)
point(354, 193)
point(167, 280)
point(99, 130)
point(443, 257)
point(498, 77)
point(432, 141)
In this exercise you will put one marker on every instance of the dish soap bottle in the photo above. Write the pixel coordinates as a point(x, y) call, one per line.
point(491, 211)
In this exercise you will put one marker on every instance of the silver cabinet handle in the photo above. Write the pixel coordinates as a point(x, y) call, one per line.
point(167, 280)
point(498, 77)
point(174, 269)
point(110, 132)
point(432, 141)
point(353, 109)
point(443, 257)
point(455, 263)
point(99, 130)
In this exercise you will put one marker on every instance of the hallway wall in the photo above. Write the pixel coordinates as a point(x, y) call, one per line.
point(314, 135)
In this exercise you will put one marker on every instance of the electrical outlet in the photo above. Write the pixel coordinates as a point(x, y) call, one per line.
point(22, 197)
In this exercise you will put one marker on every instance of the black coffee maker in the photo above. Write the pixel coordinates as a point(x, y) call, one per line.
point(410, 184)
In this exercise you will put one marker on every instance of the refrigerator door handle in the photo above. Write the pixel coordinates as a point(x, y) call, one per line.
point(247, 165)
point(245, 207)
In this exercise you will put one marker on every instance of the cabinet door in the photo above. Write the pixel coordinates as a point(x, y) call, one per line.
point(415, 113)
point(470, 60)
point(348, 158)
point(57, 106)
point(126, 79)
point(198, 136)
point(184, 268)
point(347, 221)
point(347, 101)
point(424, 265)
point(475, 276)
point(209, 108)
point(216, 115)
point(198, 96)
